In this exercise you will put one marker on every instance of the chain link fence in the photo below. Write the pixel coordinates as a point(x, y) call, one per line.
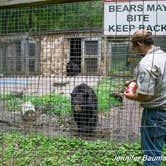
point(46, 53)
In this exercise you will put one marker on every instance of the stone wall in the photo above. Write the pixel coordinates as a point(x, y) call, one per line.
point(53, 55)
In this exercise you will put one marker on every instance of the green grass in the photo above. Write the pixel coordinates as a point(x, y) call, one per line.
point(61, 105)
point(38, 150)
point(106, 86)
point(53, 103)
point(50, 103)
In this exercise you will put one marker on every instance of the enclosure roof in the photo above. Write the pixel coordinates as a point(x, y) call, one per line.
point(17, 3)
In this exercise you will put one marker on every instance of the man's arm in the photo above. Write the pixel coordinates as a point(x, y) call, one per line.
point(139, 97)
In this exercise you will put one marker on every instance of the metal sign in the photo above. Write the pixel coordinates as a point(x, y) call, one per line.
point(123, 17)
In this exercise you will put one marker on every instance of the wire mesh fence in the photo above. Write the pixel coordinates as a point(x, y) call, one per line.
point(59, 76)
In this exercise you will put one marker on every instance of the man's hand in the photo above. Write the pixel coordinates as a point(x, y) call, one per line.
point(128, 82)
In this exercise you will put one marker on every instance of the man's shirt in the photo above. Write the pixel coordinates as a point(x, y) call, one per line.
point(151, 78)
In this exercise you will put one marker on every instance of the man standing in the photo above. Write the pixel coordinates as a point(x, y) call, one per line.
point(151, 93)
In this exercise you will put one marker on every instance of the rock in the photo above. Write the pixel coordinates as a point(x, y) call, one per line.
point(28, 111)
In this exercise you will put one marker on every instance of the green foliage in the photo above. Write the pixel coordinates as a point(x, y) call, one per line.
point(61, 105)
point(106, 86)
point(40, 150)
point(50, 103)
point(11, 102)
point(53, 17)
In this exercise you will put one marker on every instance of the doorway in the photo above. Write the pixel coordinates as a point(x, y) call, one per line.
point(74, 64)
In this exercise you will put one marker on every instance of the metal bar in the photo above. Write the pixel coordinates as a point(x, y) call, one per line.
point(18, 3)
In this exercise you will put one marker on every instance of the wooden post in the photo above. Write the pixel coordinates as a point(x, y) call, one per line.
point(105, 55)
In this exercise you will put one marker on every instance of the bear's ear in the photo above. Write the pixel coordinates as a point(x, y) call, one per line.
point(73, 94)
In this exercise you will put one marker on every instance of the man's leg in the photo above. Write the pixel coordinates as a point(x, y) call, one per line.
point(152, 139)
point(152, 148)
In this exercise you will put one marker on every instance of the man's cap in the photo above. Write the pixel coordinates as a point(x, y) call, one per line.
point(141, 35)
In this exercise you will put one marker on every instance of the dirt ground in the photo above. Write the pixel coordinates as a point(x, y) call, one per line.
point(120, 123)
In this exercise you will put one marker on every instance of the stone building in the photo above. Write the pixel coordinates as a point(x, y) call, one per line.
point(49, 54)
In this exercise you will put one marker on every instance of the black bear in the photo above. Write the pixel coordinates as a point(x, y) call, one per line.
point(72, 69)
point(84, 105)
